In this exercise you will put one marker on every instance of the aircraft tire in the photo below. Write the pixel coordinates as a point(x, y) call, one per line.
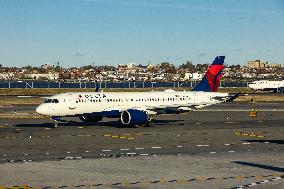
point(149, 124)
point(55, 125)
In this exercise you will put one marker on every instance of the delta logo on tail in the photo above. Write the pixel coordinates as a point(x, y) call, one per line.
point(211, 79)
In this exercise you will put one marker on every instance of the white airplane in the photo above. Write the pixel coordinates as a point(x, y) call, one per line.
point(137, 108)
point(266, 85)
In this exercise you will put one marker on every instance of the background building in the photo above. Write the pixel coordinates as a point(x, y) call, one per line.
point(260, 64)
point(256, 64)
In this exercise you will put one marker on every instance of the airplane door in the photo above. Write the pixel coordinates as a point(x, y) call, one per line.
point(71, 102)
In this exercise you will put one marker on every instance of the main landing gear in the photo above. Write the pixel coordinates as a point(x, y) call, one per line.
point(149, 122)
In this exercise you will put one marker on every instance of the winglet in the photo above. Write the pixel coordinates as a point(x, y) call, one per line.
point(233, 97)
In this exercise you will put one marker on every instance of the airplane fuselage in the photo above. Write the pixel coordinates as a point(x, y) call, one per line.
point(82, 103)
point(266, 85)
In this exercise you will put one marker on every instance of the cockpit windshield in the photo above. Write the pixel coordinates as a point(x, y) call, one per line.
point(50, 100)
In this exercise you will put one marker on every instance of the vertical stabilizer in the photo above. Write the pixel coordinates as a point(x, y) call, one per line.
point(210, 81)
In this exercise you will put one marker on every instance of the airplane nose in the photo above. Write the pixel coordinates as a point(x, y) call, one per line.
point(40, 110)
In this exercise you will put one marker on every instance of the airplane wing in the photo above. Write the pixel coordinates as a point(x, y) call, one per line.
point(161, 109)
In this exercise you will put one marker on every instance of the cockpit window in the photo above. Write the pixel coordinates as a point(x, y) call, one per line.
point(55, 100)
point(49, 100)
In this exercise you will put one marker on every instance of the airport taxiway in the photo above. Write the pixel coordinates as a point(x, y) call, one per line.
point(217, 147)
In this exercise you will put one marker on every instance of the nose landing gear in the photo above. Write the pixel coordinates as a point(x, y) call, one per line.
point(55, 121)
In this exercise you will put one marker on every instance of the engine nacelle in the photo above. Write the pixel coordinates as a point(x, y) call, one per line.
point(134, 117)
point(90, 118)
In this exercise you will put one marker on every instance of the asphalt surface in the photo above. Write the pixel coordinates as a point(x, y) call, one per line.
point(217, 147)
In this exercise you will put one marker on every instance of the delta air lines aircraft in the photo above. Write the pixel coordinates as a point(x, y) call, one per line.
point(137, 108)
point(266, 85)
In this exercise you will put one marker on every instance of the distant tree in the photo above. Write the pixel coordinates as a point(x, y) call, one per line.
point(28, 67)
point(168, 67)
point(188, 66)
point(153, 69)
point(43, 79)
point(87, 67)
point(202, 67)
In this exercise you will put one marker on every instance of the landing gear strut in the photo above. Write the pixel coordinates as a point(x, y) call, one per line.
point(55, 122)
point(149, 122)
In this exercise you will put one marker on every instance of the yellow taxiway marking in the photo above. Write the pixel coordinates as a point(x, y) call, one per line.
point(128, 136)
point(249, 134)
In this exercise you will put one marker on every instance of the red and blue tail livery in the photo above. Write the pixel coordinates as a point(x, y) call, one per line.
point(211, 79)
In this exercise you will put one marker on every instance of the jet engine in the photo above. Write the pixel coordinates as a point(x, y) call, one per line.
point(91, 118)
point(134, 117)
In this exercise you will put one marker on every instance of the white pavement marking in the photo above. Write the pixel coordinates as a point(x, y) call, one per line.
point(68, 152)
point(131, 153)
point(124, 149)
point(231, 151)
point(156, 147)
point(47, 153)
point(264, 181)
point(144, 154)
point(212, 152)
point(87, 151)
point(245, 143)
point(179, 146)
point(259, 183)
point(227, 144)
point(106, 150)
point(139, 148)
point(202, 145)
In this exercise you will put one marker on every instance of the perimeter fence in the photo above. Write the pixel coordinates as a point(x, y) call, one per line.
point(41, 84)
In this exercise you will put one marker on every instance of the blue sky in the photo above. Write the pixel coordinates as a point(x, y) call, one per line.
point(79, 32)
